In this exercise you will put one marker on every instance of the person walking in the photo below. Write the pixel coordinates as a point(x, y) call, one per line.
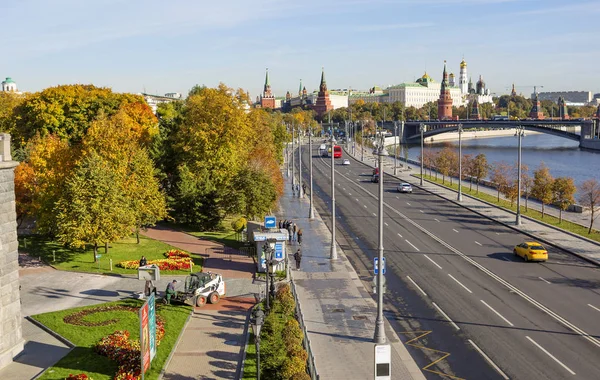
point(298, 258)
point(304, 188)
point(143, 261)
point(280, 223)
point(289, 228)
point(170, 291)
point(294, 229)
point(300, 236)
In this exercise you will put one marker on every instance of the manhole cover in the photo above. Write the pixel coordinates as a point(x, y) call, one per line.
point(231, 342)
point(360, 317)
point(338, 310)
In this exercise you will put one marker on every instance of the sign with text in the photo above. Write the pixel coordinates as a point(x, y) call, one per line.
point(144, 338)
point(376, 260)
point(152, 324)
point(279, 251)
point(270, 222)
point(383, 361)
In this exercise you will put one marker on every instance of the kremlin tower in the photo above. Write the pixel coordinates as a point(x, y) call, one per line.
point(475, 115)
point(267, 100)
point(536, 110)
point(445, 100)
point(463, 82)
point(562, 109)
point(323, 104)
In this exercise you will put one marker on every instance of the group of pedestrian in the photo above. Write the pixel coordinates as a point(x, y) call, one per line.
point(296, 189)
point(295, 233)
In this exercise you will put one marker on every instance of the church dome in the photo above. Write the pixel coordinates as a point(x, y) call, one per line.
point(463, 64)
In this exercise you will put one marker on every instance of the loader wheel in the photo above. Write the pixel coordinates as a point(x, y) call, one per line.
point(214, 298)
point(200, 301)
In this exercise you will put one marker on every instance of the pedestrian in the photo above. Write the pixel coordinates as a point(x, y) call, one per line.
point(300, 236)
point(304, 188)
point(298, 188)
point(289, 228)
point(293, 189)
point(294, 229)
point(279, 224)
point(143, 261)
point(298, 258)
point(170, 291)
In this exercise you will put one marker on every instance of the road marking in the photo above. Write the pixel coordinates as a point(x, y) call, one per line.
point(422, 211)
point(386, 224)
point(505, 259)
point(436, 220)
point(436, 264)
point(489, 360)
point(397, 197)
point(460, 283)
point(446, 316)
point(498, 314)
point(478, 243)
point(350, 194)
point(454, 230)
point(412, 245)
point(365, 206)
point(356, 199)
point(374, 214)
point(417, 286)
point(399, 235)
point(546, 281)
point(408, 203)
point(549, 354)
point(593, 307)
point(343, 188)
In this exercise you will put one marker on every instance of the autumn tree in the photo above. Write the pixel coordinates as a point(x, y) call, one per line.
point(542, 185)
point(8, 103)
point(479, 168)
point(443, 162)
point(563, 194)
point(500, 177)
point(467, 168)
point(589, 197)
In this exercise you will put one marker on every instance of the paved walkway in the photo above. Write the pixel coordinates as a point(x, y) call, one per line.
point(338, 312)
point(577, 245)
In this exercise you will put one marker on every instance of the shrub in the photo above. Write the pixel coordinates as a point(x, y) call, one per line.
point(292, 366)
point(81, 376)
point(163, 264)
point(292, 334)
point(282, 289)
point(300, 376)
point(239, 224)
point(176, 254)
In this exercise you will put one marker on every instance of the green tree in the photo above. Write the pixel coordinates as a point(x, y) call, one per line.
point(8, 103)
point(443, 162)
point(500, 177)
point(589, 197)
point(542, 185)
point(256, 193)
point(195, 200)
point(563, 194)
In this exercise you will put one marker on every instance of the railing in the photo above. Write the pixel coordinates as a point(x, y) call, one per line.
point(312, 370)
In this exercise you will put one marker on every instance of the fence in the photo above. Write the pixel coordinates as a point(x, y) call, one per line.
point(312, 370)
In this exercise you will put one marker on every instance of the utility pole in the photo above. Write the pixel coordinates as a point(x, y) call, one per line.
point(333, 252)
point(422, 128)
point(379, 337)
point(520, 133)
point(311, 212)
point(300, 192)
point(460, 129)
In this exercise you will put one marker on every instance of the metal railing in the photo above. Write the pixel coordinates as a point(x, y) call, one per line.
point(311, 368)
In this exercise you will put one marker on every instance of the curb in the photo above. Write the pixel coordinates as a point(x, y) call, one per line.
point(51, 332)
point(168, 361)
point(240, 374)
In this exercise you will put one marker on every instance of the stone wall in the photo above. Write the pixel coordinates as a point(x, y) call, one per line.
point(11, 340)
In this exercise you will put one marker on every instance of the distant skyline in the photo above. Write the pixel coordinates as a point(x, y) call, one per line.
point(158, 47)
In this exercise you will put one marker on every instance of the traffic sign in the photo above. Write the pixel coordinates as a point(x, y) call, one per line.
point(270, 222)
point(279, 251)
point(376, 266)
point(383, 361)
point(374, 283)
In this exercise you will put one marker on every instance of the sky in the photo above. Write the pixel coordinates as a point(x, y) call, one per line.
point(169, 46)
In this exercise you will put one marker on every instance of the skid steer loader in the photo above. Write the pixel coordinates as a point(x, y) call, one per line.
point(200, 288)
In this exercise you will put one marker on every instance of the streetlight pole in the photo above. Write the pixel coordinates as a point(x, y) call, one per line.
point(287, 156)
point(395, 148)
point(293, 163)
point(256, 324)
point(422, 128)
point(300, 192)
point(460, 129)
point(520, 132)
point(333, 254)
point(379, 337)
point(362, 141)
point(311, 212)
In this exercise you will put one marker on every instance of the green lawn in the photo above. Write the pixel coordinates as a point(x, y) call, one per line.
point(250, 362)
point(79, 260)
point(83, 359)
point(534, 214)
point(224, 235)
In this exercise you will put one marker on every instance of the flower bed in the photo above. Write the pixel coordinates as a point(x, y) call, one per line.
point(176, 254)
point(81, 376)
point(163, 264)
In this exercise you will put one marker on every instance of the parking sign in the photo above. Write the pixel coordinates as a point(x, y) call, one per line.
point(278, 251)
point(376, 266)
point(270, 222)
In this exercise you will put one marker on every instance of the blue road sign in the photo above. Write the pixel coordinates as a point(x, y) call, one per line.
point(376, 266)
point(152, 324)
point(278, 251)
point(270, 222)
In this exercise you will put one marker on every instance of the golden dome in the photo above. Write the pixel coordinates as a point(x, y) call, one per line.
point(463, 64)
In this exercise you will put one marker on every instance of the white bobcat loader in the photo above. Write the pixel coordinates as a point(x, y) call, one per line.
point(202, 287)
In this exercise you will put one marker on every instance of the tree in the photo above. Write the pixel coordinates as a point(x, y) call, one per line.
point(8, 103)
point(467, 166)
point(500, 177)
point(542, 185)
point(563, 191)
point(589, 197)
point(443, 162)
point(480, 168)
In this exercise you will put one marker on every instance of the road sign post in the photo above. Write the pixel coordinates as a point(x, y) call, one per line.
point(376, 265)
point(270, 222)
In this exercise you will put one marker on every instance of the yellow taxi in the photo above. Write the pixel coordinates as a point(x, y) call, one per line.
point(531, 251)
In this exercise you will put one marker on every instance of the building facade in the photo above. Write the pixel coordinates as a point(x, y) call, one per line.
point(424, 90)
point(154, 100)
point(445, 99)
point(570, 97)
point(8, 85)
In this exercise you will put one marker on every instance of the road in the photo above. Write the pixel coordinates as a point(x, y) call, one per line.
point(454, 289)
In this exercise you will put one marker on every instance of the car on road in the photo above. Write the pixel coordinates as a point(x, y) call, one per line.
point(375, 171)
point(405, 188)
point(531, 251)
point(346, 162)
point(375, 178)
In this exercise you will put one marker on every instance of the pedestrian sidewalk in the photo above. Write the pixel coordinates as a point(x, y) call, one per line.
point(338, 312)
point(577, 245)
point(212, 342)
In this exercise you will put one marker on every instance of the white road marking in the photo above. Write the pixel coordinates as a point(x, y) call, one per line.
point(546, 281)
point(374, 214)
point(498, 314)
point(436, 220)
point(478, 243)
point(434, 263)
point(445, 316)
point(408, 203)
point(421, 211)
point(489, 360)
point(454, 230)
point(365, 206)
point(412, 245)
point(350, 194)
point(397, 197)
point(460, 283)
point(399, 235)
point(343, 188)
point(593, 307)
point(505, 259)
point(549, 354)
point(417, 286)
point(356, 199)
point(386, 224)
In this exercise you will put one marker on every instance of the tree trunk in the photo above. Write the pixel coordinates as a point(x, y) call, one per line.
point(137, 235)
point(470, 184)
point(95, 252)
point(526, 199)
point(542, 210)
point(559, 215)
point(498, 194)
point(443, 179)
point(477, 186)
point(106, 248)
point(591, 221)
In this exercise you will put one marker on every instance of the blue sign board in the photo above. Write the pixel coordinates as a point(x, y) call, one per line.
point(152, 324)
point(260, 237)
point(279, 251)
point(263, 262)
point(270, 222)
point(376, 266)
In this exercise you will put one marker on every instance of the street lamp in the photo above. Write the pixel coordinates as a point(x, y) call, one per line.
point(300, 192)
point(395, 148)
point(362, 141)
point(520, 133)
point(333, 254)
point(293, 163)
point(422, 129)
point(379, 337)
point(460, 130)
point(256, 324)
point(311, 211)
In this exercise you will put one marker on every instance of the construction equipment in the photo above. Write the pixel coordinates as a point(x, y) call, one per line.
point(200, 288)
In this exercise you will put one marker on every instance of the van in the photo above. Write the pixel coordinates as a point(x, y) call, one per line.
point(323, 150)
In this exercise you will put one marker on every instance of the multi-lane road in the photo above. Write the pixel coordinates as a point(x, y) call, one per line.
point(456, 295)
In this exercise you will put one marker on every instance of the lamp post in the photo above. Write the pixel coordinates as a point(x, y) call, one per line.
point(520, 133)
point(311, 211)
point(293, 163)
point(300, 192)
point(256, 323)
point(395, 148)
point(362, 141)
point(422, 129)
point(287, 156)
point(333, 254)
point(460, 129)
point(379, 337)
point(267, 254)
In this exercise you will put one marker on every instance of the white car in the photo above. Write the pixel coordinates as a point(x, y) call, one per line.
point(405, 188)
point(346, 162)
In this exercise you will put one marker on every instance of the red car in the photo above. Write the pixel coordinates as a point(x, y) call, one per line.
point(337, 151)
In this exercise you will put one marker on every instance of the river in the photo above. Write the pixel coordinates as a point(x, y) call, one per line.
point(563, 157)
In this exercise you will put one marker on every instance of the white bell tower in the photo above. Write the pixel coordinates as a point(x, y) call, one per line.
point(463, 80)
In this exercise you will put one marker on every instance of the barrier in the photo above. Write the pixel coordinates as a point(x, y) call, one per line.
point(312, 370)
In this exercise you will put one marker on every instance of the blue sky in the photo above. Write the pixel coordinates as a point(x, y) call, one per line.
point(168, 46)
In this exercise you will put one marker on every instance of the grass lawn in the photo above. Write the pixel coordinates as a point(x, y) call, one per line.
point(534, 214)
point(250, 362)
point(79, 260)
point(83, 359)
point(225, 235)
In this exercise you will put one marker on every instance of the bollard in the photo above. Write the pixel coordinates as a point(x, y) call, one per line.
point(191, 266)
point(53, 256)
point(110, 261)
